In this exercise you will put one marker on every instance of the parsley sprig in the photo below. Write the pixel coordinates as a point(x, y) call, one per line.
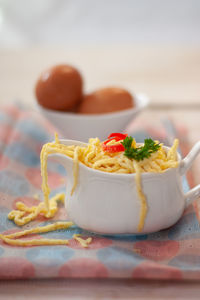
point(141, 152)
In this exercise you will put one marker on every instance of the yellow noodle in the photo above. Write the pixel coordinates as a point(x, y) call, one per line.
point(25, 214)
point(34, 242)
point(75, 169)
point(172, 154)
point(11, 238)
point(42, 229)
point(84, 243)
point(143, 208)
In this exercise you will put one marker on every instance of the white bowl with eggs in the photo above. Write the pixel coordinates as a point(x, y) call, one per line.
point(83, 126)
point(78, 115)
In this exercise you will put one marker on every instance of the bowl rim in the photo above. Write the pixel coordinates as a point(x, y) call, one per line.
point(141, 100)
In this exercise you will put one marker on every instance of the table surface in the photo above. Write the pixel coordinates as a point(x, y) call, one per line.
point(170, 77)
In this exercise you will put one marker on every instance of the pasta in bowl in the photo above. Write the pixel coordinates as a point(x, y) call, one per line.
point(118, 186)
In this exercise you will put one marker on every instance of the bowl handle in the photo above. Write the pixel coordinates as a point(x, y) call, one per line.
point(185, 164)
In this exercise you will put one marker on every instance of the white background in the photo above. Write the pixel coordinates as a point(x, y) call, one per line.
point(55, 22)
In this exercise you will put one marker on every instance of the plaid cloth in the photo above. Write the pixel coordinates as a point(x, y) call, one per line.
point(168, 254)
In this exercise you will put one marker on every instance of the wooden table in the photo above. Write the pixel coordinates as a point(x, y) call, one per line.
point(171, 78)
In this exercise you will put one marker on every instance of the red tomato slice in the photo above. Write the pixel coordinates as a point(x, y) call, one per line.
point(114, 148)
point(122, 136)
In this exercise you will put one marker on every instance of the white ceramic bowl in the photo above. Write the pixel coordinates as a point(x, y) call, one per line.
point(82, 127)
point(108, 203)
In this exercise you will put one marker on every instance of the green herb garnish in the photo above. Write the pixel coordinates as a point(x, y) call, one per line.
point(141, 152)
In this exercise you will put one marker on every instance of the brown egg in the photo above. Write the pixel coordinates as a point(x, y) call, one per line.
point(59, 88)
point(106, 100)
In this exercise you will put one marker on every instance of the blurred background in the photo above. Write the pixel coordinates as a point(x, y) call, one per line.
point(148, 45)
point(50, 22)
